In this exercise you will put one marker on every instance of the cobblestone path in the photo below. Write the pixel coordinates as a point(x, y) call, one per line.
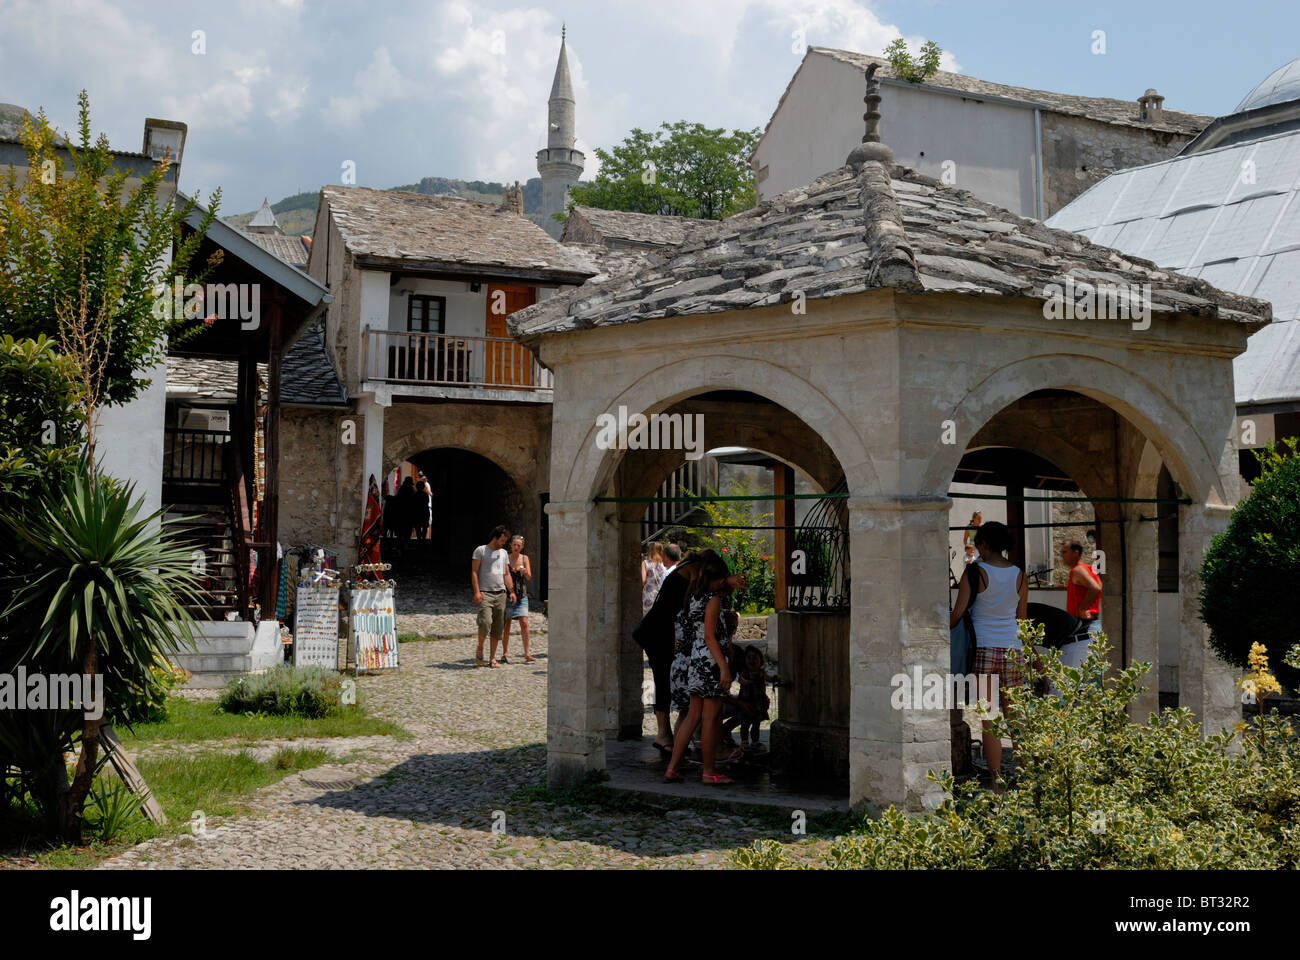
point(477, 759)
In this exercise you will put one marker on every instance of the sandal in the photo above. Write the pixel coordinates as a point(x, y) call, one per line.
point(504, 659)
point(672, 776)
point(716, 779)
point(493, 663)
point(530, 659)
point(480, 662)
point(664, 751)
point(733, 756)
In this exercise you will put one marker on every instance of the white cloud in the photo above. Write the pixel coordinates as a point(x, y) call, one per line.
point(375, 84)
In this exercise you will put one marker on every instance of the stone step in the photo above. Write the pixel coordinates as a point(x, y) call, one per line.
point(222, 663)
point(223, 646)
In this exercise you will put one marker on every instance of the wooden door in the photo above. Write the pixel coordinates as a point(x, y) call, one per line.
point(507, 364)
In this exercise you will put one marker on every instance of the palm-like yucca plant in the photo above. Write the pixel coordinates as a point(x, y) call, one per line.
point(108, 596)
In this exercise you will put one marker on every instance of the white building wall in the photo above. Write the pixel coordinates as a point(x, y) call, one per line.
point(991, 144)
point(129, 441)
point(466, 310)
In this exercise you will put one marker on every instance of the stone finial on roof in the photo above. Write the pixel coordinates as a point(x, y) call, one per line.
point(512, 199)
point(1151, 105)
point(871, 147)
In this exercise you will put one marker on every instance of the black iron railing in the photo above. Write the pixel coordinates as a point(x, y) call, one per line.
point(819, 565)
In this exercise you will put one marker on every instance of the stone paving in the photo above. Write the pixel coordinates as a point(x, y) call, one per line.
point(477, 759)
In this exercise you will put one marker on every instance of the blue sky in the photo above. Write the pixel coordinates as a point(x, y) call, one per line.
point(286, 91)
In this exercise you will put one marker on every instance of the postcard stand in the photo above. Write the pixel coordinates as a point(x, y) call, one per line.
point(372, 618)
point(316, 617)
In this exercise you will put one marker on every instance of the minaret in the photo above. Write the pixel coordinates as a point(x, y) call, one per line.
point(559, 164)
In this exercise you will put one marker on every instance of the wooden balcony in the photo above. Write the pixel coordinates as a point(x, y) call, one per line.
point(435, 359)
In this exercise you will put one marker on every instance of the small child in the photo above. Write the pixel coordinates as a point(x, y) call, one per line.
point(752, 702)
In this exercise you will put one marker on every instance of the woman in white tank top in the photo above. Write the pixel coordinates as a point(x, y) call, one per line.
point(1000, 600)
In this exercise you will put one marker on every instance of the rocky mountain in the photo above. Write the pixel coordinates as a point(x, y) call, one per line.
point(297, 214)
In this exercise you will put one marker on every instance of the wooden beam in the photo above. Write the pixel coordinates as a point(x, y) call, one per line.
point(270, 510)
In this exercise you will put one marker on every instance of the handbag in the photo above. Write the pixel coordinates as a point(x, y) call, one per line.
point(961, 640)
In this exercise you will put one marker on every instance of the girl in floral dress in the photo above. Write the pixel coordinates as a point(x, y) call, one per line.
point(708, 675)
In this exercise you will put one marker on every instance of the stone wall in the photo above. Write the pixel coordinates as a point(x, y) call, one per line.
point(1078, 152)
point(317, 471)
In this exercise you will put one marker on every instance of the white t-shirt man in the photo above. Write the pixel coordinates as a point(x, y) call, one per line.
point(492, 568)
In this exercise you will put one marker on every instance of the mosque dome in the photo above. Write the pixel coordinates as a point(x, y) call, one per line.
point(1281, 85)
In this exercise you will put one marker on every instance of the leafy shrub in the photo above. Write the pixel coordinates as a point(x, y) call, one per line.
point(1253, 565)
point(311, 692)
point(113, 808)
point(1095, 790)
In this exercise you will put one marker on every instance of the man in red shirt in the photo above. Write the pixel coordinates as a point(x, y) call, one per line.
point(1082, 600)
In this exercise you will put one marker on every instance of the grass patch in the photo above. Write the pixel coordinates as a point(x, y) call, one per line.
point(190, 721)
point(212, 782)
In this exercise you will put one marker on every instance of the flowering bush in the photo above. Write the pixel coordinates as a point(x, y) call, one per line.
point(1095, 790)
point(747, 552)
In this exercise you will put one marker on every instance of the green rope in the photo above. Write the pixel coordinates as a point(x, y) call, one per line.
point(763, 496)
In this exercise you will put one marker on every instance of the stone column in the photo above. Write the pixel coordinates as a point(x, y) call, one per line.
point(1206, 684)
point(898, 549)
point(1144, 623)
point(576, 708)
point(372, 413)
point(631, 659)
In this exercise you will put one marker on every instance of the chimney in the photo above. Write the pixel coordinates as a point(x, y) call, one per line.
point(1151, 106)
point(512, 199)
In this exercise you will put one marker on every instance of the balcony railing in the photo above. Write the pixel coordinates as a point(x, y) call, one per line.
point(446, 359)
point(194, 456)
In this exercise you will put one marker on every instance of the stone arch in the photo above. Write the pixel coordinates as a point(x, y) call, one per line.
point(656, 390)
point(494, 443)
point(1134, 397)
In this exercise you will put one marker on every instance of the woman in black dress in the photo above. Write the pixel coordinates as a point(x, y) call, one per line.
point(655, 635)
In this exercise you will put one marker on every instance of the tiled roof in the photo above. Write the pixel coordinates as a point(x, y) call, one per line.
point(307, 375)
point(844, 234)
point(1199, 214)
point(292, 250)
point(1102, 109)
point(444, 231)
point(645, 228)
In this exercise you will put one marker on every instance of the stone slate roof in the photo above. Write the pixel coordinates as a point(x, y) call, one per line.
point(215, 381)
point(844, 234)
point(292, 250)
point(307, 374)
point(444, 231)
point(647, 228)
point(1103, 109)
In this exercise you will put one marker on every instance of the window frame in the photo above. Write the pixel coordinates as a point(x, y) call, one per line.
point(426, 299)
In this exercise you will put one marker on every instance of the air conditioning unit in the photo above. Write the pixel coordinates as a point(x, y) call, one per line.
point(194, 418)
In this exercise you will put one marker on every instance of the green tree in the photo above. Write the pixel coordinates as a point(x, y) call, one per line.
point(1253, 565)
point(913, 69)
point(106, 597)
point(682, 169)
point(85, 255)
